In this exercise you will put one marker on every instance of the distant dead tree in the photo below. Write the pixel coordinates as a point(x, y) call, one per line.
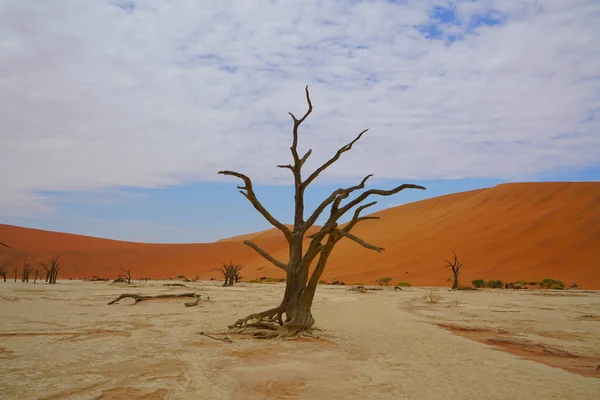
point(16, 272)
point(127, 276)
point(37, 272)
point(3, 273)
point(52, 266)
point(25, 271)
point(300, 285)
point(231, 273)
point(455, 266)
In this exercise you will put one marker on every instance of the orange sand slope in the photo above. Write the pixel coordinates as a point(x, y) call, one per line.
point(521, 231)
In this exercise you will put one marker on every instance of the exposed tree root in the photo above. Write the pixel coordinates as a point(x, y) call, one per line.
point(269, 325)
point(138, 298)
point(271, 316)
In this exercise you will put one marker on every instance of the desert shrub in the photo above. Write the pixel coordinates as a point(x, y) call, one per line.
point(478, 283)
point(180, 276)
point(338, 282)
point(265, 279)
point(401, 283)
point(433, 297)
point(356, 284)
point(552, 284)
point(384, 281)
point(322, 282)
point(494, 284)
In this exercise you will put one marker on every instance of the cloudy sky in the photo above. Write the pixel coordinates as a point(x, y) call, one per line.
point(115, 115)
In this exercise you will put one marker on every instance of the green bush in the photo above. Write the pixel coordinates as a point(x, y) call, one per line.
point(180, 277)
point(552, 284)
point(401, 283)
point(478, 283)
point(494, 284)
point(322, 282)
point(384, 281)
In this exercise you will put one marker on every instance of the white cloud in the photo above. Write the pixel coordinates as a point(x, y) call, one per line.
point(155, 93)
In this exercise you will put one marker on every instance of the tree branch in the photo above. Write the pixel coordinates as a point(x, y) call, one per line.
point(332, 160)
point(315, 215)
point(356, 218)
point(378, 192)
point(251, 196)
point(266, 255)
point(5, 245)
point(359, 241)
point(297, 123)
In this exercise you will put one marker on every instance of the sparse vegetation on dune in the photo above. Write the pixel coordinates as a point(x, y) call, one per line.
point(549, 283)
point(478, 283)
point(266, 279)
point(494, 284)
point(384, 281)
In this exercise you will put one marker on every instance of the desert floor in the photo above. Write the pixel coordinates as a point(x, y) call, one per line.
point(64, 342)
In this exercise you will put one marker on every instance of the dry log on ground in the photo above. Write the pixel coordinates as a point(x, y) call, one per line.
point(138, 297)
point(192, 303)
point(226, 339)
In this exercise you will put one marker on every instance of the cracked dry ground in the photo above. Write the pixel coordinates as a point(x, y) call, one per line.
point(63, 342)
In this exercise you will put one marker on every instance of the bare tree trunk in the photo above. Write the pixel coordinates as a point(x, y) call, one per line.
point(37, 271)
point(52, 266)
point(300, 288)
point(16, 272)
point(455, 267)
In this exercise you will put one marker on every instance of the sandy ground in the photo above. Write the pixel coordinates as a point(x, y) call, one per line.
point(64, 342)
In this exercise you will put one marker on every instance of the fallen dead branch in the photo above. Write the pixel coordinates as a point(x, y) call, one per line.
point(138, 297)
point(361, 288)
point(174, 284)
point(226, 339)
point(192, 303)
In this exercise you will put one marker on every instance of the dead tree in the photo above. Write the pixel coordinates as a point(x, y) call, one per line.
point(25, 271)
point(231, 273)
point(37, 271)
point(3, 273)
point(455, 266)
point(52, 266)
point(16, 272)
point(126, 277)
point(300, 286)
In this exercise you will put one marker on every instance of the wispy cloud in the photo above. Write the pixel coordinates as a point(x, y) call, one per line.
point(97, 94)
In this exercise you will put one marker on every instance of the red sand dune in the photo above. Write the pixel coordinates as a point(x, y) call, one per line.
point(521, 231)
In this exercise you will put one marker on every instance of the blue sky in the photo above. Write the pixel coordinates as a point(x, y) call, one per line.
point(115, 115)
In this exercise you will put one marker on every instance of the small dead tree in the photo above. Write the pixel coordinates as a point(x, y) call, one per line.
point(37, 272)
point(26, 270)
point(16, 272)
point(127, 276)
point(3, 273)
point(231, 273)
point(300, 283)
point(455, 266)
point(52, 266)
